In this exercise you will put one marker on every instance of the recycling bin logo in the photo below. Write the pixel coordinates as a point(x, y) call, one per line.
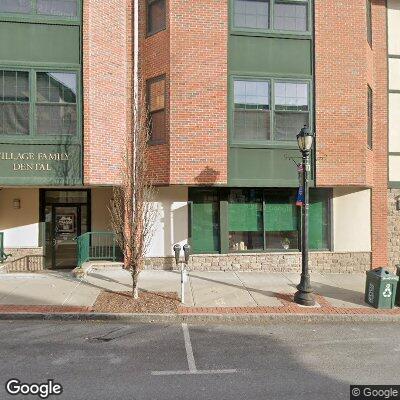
point(387, 292)
point(371, 293)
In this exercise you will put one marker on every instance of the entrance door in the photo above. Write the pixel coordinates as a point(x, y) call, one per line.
point(67, 227)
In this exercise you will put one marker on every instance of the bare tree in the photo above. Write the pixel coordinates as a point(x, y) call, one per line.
point(132, 211)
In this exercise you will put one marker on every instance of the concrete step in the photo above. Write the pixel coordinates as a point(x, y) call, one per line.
point(92, 266)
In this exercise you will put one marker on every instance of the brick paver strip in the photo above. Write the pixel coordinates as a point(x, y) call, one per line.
point(289, 307)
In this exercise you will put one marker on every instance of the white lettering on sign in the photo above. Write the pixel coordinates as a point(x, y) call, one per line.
point(41, 164)
point(371, 293)
point(388, 291)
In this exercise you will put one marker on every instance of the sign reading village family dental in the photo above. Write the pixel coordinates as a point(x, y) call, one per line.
point(30, 164)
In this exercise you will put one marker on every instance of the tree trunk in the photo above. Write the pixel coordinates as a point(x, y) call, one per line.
point(135, 280)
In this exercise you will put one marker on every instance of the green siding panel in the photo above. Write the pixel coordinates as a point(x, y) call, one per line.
point(245, 217)
point(40, 164)
point(258, 167)
point(263, 55)
point(39, 43)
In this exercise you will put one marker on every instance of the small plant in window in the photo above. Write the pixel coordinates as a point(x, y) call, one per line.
point(286, 243)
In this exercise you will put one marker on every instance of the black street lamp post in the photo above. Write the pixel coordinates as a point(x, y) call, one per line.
point(304, 295)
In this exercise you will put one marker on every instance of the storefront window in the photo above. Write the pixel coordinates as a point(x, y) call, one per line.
point(255, 220)
point(245, 220)
point(281, 221)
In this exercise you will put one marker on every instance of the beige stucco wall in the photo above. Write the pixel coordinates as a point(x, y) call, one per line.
point(394, 122)
point(394, 168)
point(171, 225)
point(352, 219)
point(20, 226)
point(101, 198)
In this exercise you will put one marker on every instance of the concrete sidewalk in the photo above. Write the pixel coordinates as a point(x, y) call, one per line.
point(204, 289)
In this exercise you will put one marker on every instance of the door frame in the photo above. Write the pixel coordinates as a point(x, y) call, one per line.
point(42, 214)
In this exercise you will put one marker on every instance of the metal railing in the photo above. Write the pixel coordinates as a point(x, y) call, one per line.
point(3, 255)
point(97, 246)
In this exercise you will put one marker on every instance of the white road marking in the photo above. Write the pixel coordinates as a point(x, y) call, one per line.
point(189, 349)
point(202, 372)
point(191, 362)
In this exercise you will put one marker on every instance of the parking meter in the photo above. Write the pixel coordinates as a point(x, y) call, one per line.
point(177, 250)
point(186, 249)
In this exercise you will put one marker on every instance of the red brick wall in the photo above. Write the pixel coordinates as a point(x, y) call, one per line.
point(155, 61)
point(106, 87)
point(198, 83)
point(345, 64)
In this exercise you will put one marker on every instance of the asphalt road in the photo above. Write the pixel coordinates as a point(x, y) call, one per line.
point(161, 362)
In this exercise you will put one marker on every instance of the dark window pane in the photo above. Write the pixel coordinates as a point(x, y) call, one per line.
point(370, 117)
point(252, 125)
point(282, 240)
point(243, 241)
point(251, 115)
point(22, 86)
point(252, 14)
point(14, 118)
point(15, 6)
point(62, 8)
point(14, 102)
point(291, 96)
point(288, 124)
point(158, 126)
point(291, 17)
point(56, 119)
point(156, 18)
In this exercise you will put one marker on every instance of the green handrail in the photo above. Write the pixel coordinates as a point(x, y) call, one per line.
point(96, 246)
point(3, 255)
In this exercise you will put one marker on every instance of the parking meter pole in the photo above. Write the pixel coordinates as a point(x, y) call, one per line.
point(183, 284)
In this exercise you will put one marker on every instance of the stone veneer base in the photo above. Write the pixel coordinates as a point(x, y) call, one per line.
point(24, 259)
point(329, 262)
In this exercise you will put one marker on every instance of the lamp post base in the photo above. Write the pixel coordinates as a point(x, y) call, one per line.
point(304, 298)
point(304, 295)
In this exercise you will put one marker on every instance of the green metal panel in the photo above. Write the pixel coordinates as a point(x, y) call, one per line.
point(44, 164)
point(205, 221)
point(265, 55)
point(245, 217)
point(280, 215)
point(318, 221)
point(263, 167)
point(39, 43)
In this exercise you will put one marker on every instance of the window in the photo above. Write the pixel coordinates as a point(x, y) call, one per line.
point(14, 102)
point(256, 220)
point(369, 22)
point(56, 103)
point(252, 117)
point(290, 16)
point(286, 15)
point(156, 16)
point(245, 220)
point(281, 221)
point(16, 6)
point(61, 8)
point(251, 14)
point(291, 109)
point(156, 104)
point(370, 117)
point(252, 112)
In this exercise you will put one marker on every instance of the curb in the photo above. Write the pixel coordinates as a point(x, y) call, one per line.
point(200, 318)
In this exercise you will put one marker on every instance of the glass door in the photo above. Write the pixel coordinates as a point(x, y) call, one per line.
point(66, 228)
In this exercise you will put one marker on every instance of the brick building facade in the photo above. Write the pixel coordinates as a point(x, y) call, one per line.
point(228, 85)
